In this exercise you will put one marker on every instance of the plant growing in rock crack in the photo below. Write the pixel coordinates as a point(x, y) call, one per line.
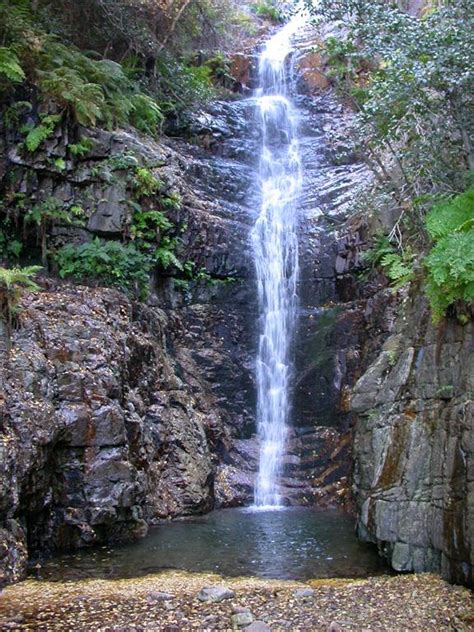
point(450, 264)
point(50, 213)
point(145, 183)
point(82, 147)
point(398, 265)
point(13, 281)
point(109, 262)
point(37, 134)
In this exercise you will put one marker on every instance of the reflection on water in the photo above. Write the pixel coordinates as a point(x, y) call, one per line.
point(294, 543)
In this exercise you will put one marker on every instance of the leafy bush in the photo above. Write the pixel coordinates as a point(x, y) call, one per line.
point(145, 183)
point(146, 225)
point(36, 134)
point(110, 262)
point(13, 281)
point(92, 91)
point(412, 85)
point(450, 264)
point(49, 213)
point(451, 215)
point(267, 9)
point(397, 265)
point(95, 90)
point(82, 147)
point(10, 246)
point(10, 67)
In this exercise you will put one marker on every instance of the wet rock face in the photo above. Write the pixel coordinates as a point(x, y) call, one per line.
point(104, 431)
point(414, 447)
point(115, 416)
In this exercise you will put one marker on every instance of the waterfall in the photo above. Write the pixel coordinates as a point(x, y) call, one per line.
point(275, 248)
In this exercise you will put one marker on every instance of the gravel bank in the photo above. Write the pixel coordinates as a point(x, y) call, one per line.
point(170, 602)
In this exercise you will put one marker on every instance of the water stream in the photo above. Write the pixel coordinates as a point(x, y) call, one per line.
point(275, 247)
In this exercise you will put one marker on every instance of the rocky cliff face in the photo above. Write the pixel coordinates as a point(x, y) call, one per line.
point(115, 415)
point(414, 446)
point(106, 425)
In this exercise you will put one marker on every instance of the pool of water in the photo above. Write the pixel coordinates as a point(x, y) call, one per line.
point(293, 543)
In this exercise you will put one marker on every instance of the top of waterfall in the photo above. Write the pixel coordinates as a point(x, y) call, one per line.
point(279, 46)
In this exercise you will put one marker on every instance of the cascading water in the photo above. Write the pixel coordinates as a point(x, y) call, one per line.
point(275, 246)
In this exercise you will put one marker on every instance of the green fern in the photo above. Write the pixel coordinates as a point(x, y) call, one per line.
point(456, 214)
point(10, 66)
point(65, 85)
point(166, 258)
point(450, 264)
point(398, 267)
point(36, 135)
point(13, 281)
point(82, 147)
point(145, 182)
point(109, 262)
point(450, 267)
point(145, 114)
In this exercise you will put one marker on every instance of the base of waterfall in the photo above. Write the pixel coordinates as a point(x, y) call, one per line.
point(173, 602)
point(296, 543)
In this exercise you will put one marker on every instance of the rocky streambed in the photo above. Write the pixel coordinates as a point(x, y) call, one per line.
point(178, 601)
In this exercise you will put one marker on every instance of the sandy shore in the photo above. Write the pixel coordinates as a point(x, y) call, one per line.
point(409, 602)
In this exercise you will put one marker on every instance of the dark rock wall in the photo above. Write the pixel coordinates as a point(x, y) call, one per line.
point(115, 416)
point(414, 446)
point(106, 425)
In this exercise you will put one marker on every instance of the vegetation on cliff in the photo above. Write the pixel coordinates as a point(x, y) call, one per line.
point(410, 80)
point(141, 65)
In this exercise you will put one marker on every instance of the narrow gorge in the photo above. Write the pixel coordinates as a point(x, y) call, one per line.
point(225, 349)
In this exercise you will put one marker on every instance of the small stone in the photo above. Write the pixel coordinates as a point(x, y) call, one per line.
point(215, 594)
point(303, 593)
point(239, 609)
point(159, 596)
point(241, 619)
point(334, 627)
point(258, 626)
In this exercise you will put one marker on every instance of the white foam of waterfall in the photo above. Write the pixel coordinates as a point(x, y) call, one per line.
point(275, 246)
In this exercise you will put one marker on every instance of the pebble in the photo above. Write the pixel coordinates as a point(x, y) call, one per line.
point(215, 594)
point(241, 619)
point(303, 593)
point(258, 626)
point(159, 596)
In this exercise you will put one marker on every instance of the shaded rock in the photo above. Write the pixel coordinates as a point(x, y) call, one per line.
point(159, 596)
point(414, 447)
point(241, 619)
point(303, 593)
point(258, 626)
point(215, 594)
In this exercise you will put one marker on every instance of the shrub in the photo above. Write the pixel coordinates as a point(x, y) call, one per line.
point(82, 147)
point(37, 134)
point(267, 9)
point(49, 213)
point(450, 264)
point(146, 225)
point(145, 183)
point(397, 265)
point(13, 281)
point(109, 262)
point(10, 67)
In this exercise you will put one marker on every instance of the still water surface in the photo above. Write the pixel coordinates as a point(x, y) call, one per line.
point(294, 543)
